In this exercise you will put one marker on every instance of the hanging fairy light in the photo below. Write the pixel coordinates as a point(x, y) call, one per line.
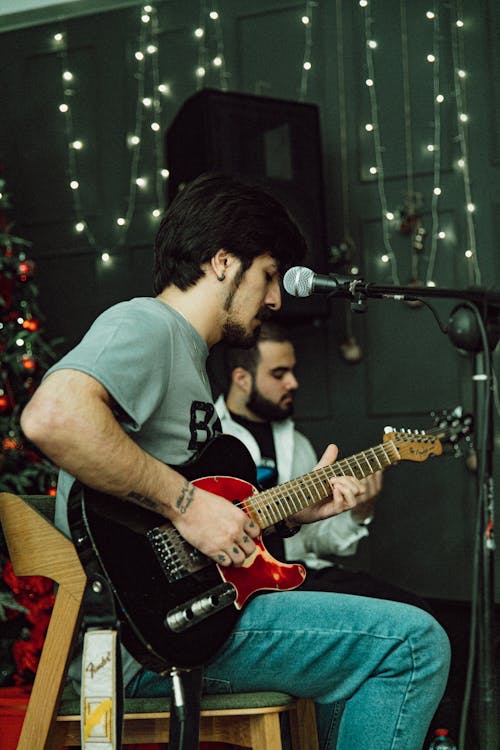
point(436, 145)
point(148, 106)
point(307, 21)
point(377, 169)
point(460, 77)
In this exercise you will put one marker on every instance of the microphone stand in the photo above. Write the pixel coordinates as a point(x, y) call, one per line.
point(473, 325)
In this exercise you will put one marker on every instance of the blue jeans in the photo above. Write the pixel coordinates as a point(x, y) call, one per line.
point(388, 661)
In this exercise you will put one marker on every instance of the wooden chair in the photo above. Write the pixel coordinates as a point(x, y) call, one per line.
point(52, 720)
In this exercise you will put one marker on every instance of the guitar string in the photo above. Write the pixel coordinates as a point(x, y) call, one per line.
point(309, 482)
point(261, 501)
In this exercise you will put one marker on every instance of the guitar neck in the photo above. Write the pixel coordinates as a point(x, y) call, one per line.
point(276, 504)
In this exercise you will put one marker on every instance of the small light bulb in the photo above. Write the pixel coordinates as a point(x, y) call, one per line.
point(156, 212)
point(305, 20)
point(80, 226)
point(74, 184)
point(464, 117)
point(147, 101)
point(151, 49)
point(389, 216)
point(63, 108)
point(373, 170)
point(199, 32)
point(145, 18)
point(431, 283)
point(214, 15)
point(20, 321)
point(372, 44)
point(439, 98)
point(471, 208)
point(460, 23)
point(369, 82)
point(58, 37)
point(200, 71)
point(363, 3)
point(139, 56)
point(164, 88)
point(430, 15)
point(461, 73)
point(369, 127)
point(67, 75)
point(155, 126)
point(461, 163)
point(77, 145)
point(354, 270)
point(148, 9)
point(437, 191)
point(431, 58)
point(441, 235)
point(468, 253)
point(307, 65)
point(431, 147)
point(20, 342)
point(133, 140)
point(384, 258)
point(121, 221)
point(141, 182)
point(217, 61)
point(165, 173)
point(105, 257)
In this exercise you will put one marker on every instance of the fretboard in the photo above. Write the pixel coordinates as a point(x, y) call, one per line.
point(278, 503)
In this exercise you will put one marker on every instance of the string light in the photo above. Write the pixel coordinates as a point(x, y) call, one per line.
point(307, 21)
point(436, 146)
point(458, 57)
point(148, 105)
point(378, 169)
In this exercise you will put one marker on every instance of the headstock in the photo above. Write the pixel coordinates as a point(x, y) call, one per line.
point(413, 446)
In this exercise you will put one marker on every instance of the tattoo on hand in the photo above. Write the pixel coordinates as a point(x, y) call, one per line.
point(221, 558)
point(186, 497)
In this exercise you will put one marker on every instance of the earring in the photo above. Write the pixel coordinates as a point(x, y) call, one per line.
point(221, 277)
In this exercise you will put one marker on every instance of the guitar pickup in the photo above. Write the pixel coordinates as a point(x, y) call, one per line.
point(197, 609)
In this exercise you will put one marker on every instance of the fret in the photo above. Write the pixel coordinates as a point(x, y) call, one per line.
point(276, 504)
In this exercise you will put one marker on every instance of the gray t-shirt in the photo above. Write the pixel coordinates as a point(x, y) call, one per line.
point(153, 363)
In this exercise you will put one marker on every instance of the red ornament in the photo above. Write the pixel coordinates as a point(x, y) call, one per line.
point(25, 268)
point(10, 444)
point(31, 324)
point(4, 402)
point(28, 362)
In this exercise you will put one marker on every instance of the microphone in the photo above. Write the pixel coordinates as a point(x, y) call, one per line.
point(300, 281)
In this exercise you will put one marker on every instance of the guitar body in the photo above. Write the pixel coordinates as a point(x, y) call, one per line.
point(176, 606)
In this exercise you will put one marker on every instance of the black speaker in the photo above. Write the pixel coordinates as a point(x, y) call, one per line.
point(271, 141)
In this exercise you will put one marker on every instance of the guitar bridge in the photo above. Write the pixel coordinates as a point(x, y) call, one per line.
point(177, 557)
point(197, 609)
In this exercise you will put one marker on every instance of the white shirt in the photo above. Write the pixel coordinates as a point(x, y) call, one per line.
point(338, 535)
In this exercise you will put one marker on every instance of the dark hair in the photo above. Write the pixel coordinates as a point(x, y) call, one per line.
point(249, 358)
point(217, 211)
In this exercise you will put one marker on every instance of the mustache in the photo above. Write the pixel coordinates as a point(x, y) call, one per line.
point(264, 315)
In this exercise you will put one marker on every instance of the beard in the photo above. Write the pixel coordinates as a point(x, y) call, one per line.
point(268, 410)
point(234, 334)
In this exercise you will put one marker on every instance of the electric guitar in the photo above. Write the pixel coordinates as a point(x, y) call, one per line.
point(177, 606)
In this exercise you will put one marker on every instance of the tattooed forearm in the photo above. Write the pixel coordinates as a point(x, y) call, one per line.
point(186, 497)
point(144, 502)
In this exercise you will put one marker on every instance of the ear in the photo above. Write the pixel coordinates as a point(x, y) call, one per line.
point(242, 379)
point(221, 261)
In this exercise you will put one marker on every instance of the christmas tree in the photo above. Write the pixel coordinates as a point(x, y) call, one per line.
point(24, 356)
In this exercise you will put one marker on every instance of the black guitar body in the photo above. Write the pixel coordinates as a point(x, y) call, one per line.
point(115, 535)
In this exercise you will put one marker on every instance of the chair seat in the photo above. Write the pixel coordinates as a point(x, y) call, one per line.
point(70, 702)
